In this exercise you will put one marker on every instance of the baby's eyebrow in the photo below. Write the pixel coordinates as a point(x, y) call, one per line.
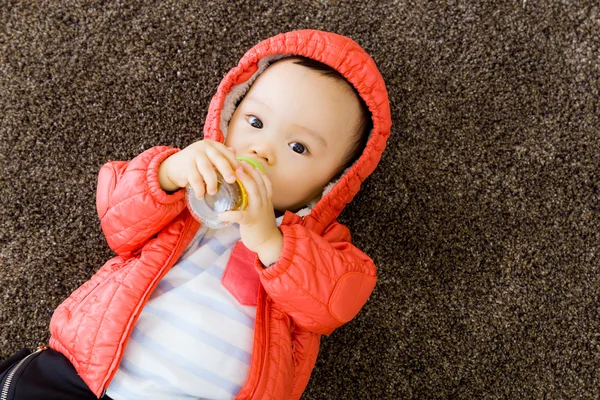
point(316, 135)
point(258, 101)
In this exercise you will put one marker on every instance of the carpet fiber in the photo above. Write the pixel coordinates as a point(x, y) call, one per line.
point(483, 216)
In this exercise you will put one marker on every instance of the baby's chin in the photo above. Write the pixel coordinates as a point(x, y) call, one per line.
point(286, 206)
point(282, 209)
point(280, 206)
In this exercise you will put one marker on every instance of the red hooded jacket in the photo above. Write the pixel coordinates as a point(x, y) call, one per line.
point(320, 282)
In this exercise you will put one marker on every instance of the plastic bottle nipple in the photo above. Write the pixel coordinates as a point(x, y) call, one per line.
point(229, 197)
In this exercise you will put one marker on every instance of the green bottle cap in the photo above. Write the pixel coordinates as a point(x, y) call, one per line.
point(252, 162)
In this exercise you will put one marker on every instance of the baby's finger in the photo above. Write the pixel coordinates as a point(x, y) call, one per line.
point(257, 177)
point(197, 183)
point(222, 163)
point(254, 198)
point(263, 182)
point(229, 154)
point(208, 173)
point(231, 216)
point(268, 185)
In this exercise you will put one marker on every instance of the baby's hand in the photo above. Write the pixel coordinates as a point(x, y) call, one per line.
point(258, 227)
point(195, 165)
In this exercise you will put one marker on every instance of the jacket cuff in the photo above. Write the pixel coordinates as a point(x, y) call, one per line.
point(157, 193)
point(287, 255)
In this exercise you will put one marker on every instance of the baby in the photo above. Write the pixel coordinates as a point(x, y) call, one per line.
point(184, 311)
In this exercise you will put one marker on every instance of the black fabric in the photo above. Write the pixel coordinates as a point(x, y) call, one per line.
point(9, 362)
point(44, 375)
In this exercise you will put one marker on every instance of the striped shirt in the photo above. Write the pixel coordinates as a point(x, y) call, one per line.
point(193, 339)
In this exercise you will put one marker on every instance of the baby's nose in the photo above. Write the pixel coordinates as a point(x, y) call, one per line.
point(264, 152)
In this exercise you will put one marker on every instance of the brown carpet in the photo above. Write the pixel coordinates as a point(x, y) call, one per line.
point(483, 217)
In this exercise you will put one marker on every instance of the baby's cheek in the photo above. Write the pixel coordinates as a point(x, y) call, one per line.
point(283, 198)
point(232, 133)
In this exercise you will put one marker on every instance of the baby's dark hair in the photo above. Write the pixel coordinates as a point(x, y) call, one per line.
point(366, 122)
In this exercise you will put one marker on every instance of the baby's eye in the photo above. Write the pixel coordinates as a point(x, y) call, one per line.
point(298, 148)
point(255, 122)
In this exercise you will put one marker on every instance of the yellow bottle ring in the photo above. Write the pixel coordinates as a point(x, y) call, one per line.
point(244, 195)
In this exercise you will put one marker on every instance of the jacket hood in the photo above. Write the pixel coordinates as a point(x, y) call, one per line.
point(348, 58)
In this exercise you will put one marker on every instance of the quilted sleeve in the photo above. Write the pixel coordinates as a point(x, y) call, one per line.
point(322, 282)
point(131, 204)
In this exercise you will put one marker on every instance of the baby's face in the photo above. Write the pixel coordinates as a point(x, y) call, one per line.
point(298, 124)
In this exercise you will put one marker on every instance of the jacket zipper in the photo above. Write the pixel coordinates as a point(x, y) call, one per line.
point(189, 222)
point(12, 372)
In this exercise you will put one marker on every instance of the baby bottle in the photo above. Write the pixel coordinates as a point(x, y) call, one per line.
point(229, 197)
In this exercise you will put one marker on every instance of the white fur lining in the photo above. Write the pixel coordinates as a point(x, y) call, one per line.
point(301, 213)
point(238, 91)
point(326, 190)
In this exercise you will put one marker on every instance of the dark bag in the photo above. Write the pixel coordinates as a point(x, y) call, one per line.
point(45, 374)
